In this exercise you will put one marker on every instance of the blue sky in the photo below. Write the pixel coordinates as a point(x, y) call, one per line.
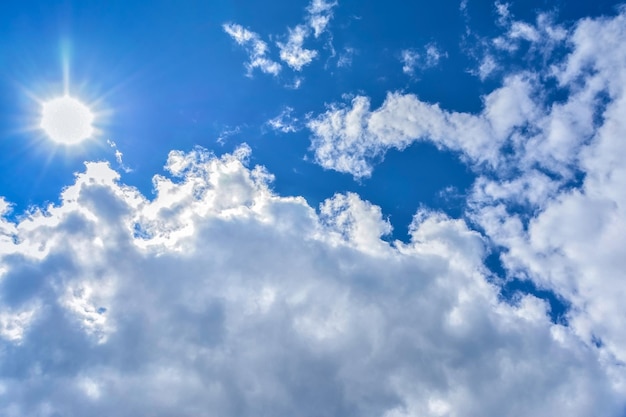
point(314, 208)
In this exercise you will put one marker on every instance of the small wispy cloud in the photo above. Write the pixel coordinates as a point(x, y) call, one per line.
point(291, 45)
point(119, 156)
point(285, 122)
point(226, 133)
point(295, 84)
point(257, 49)
point(412, 60)
point(345, 57)
point(487, 66)
point(540, 37)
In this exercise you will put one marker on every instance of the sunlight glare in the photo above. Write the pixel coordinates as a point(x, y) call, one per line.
point(66, 120)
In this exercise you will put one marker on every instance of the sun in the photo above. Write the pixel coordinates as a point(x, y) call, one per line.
point(66, 120)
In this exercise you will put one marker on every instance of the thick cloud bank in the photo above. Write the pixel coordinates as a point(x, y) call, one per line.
point(219, 298)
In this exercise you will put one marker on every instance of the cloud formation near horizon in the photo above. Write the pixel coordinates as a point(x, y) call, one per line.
point(219, 294)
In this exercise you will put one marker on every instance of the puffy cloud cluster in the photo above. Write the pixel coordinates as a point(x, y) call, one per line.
point(573, 243)
point(547, 149)
point(219, 297)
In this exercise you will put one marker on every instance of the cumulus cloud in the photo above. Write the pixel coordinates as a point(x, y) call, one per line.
point(573, 242)
point(218, 296)
point(257, 49)
point(517, 117)
point(549, 192)
point(349, 138)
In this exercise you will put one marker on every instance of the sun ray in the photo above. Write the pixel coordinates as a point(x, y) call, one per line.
point(65, 63)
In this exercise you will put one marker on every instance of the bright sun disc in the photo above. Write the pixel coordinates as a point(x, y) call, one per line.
point(66, 120)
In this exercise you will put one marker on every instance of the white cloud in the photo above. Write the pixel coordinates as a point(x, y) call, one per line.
point(551, 177)
point(13, 324)
point(285, 122)
point(540, 38)
point(346, 57)
point(504, 14)
point(573, 243)
point(433, 55)
point(349, 138)
point(516, 30)
point(292, 52)
point(227, 133)
point(319, 14)
point(487, 66)
point(256, 48)
point(410, 59)
point(295, 84)
point(218, 294)
point(119, 157)
point(413, 60)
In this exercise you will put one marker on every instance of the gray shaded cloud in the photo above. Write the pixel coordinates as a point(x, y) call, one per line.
point(218, 296)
